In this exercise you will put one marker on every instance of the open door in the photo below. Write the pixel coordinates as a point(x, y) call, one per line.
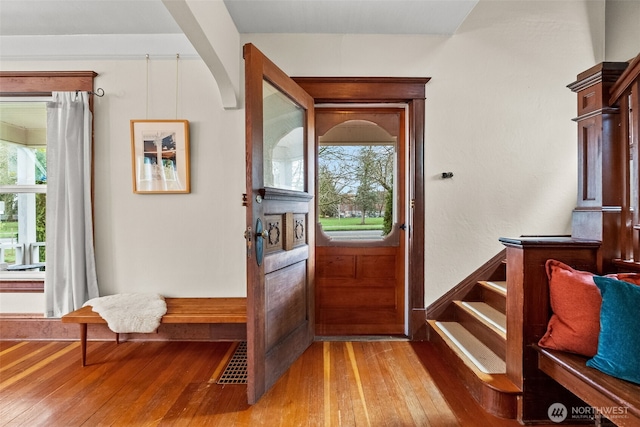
point(280, 215)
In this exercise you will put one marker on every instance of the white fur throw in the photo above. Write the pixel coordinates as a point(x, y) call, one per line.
point(129, 313)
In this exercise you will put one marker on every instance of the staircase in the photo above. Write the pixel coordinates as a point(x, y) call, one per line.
point(469, 329)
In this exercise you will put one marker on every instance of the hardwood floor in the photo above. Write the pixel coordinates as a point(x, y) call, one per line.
point(364, 383)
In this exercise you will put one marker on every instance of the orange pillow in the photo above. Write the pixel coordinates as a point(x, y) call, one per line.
point(575, 300)
point(633, 278)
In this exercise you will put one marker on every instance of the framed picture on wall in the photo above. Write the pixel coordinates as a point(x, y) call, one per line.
point(160, 155)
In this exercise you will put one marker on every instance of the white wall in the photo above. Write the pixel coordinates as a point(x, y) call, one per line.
point(498, 116)
point(178, 244)
point(623, 30)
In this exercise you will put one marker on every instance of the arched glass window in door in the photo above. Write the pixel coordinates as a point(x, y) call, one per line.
point(357, 166)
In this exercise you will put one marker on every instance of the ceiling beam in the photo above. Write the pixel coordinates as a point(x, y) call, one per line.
point(204, 45)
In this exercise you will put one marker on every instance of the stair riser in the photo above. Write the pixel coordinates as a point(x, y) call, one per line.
point(448, 315)
point(495, 342)
point(500, 273)
point(491, 296)
point(493, 401)
point(494, 299)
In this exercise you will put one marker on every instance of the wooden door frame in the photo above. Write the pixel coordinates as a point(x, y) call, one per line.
point(409, 91)
point(364, 300)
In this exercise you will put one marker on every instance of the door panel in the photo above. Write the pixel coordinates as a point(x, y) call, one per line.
point(357, 291)
point(279, 200)
point(360, 278)
point(286, 301)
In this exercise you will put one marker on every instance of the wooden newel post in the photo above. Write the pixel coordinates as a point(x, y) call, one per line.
point(601, 161)
point(528, 313)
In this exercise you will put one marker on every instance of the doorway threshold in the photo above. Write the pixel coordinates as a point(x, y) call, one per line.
point(361, 338)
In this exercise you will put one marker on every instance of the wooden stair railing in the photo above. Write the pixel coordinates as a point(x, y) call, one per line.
point(601, 164)
point(608, 121)
point(625, 95)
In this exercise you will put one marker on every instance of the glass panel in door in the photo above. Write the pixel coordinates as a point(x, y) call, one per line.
point(283, 141)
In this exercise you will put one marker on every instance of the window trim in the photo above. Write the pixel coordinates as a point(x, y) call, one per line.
point(33, 84)
point(26, 188)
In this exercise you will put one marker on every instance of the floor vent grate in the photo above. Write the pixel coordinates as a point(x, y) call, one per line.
point(236, 370)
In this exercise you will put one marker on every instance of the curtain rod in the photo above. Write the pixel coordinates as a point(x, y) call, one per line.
point(98, 92)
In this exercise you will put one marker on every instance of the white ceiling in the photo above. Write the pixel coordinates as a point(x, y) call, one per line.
point(66, 17)
point(139, 28)
point(349, 16)
point(23, 122)
point(72, 17)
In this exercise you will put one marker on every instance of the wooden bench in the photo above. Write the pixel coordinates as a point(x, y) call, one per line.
point(179, 310)
point(613, 398)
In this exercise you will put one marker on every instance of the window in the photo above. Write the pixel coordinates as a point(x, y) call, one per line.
point(357, 170)
point(23, 179)
point(28, 85)
point(283, 137)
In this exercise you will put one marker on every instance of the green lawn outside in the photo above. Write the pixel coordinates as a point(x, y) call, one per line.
point(342, 224)
point(9, 229)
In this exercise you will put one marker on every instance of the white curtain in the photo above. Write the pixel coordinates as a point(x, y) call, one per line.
point(70, 278)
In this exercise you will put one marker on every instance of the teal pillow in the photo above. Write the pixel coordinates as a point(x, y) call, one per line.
point(619, 339)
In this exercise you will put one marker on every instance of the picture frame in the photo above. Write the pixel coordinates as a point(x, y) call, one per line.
point(160, 156)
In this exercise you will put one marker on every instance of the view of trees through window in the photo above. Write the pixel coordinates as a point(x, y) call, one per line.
point(355, 189)
point(23, 178)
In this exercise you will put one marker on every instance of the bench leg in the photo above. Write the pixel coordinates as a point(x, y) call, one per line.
point(83, 343)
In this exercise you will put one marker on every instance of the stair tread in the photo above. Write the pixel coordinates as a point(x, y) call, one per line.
point(498, 286)
point(487, 314)
point(495, 392)
point(475, 352)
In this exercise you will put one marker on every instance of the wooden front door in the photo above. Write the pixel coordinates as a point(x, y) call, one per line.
point(361, 239)
point(280, 214)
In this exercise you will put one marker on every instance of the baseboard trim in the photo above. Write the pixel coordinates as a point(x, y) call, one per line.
point(485, 272)
point(419, 322)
